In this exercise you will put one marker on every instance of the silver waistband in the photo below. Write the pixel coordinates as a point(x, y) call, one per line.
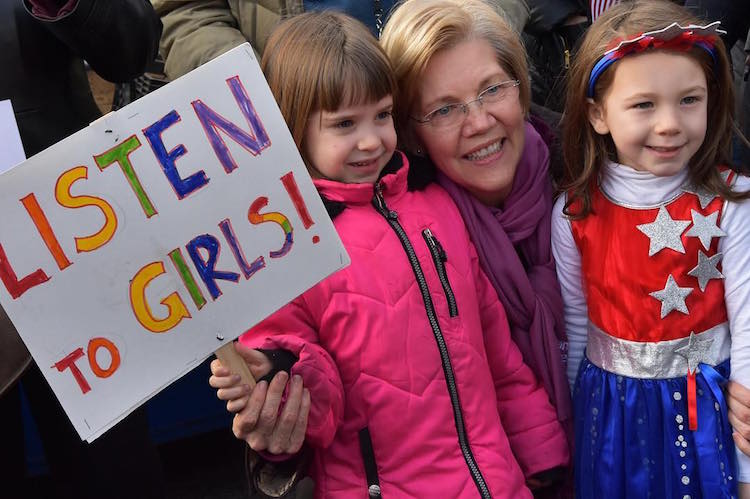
point(663, 359)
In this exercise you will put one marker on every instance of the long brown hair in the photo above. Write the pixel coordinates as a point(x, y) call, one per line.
point(319, 61)
point(585, 151)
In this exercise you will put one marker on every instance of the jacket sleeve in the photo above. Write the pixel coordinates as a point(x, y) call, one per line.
point(516, 12)
point(548, 15)
point(195, 31)
point(569, 274)
point(118, 38)
point(292, 328)
point(536, 436)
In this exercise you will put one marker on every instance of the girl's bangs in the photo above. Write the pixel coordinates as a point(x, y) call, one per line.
point(355, 80)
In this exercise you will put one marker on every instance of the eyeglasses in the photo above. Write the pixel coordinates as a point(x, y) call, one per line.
point(454, 114)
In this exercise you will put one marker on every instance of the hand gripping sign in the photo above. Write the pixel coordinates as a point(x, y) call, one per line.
point(133, 249)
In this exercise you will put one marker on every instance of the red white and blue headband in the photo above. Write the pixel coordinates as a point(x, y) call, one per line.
point(673, 37)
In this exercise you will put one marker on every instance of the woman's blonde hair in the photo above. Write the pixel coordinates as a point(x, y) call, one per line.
point(585, 151)
point(319, 61)
point(418, 29)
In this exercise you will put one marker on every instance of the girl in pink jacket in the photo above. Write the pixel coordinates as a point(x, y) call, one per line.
point(416, 389)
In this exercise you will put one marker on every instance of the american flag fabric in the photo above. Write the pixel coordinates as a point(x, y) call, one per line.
point(599, 6)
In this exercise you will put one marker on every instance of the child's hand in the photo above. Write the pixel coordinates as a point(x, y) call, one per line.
point(228, 384)
point(257, 361)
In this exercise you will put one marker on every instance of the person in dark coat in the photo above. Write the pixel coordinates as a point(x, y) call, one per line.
point(44, 44)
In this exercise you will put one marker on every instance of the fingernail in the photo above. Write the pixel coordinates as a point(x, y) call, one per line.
point(296, 379)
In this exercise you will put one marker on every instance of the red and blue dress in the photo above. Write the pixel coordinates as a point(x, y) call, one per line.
point(645, 283)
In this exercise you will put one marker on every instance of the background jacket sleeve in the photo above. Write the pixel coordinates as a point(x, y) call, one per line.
point(195, 31)
point(536, 437)
point(547, 15)
point(292, 328)
point(118, 38)
point(516, 12)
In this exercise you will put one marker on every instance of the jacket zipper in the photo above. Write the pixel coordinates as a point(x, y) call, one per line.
point(392, 218)
point(566, 51)
point(439, 257)
point(371, 467)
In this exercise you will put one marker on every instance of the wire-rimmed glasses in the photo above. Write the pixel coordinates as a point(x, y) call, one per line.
point(450, 115)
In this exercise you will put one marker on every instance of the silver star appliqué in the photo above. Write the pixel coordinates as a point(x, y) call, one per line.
point(696, 351)
point(706, 269)
point(704, 197)
point(672, 297)
point(705, 228)
point(664, 232)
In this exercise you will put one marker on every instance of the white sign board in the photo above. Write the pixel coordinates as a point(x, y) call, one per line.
point(133, 249)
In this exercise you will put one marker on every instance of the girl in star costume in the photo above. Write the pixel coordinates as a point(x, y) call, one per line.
point(653, 255)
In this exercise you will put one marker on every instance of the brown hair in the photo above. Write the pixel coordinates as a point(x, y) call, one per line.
point(585, 151)
point(418, 29)
point(321, 61)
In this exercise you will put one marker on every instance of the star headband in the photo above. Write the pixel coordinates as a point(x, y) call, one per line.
point(673, 37)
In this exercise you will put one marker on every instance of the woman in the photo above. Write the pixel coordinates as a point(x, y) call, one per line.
point(463, 107)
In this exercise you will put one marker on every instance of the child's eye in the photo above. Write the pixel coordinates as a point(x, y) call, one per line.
point(643, 105)
point(345, 124)
point(384, 115)
point(691, 99)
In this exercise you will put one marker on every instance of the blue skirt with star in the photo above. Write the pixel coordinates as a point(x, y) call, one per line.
point(633, 440)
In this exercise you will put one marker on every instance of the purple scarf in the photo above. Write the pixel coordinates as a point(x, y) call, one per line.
point(531, 295)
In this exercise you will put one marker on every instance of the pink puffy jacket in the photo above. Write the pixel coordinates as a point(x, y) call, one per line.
point(408, 351)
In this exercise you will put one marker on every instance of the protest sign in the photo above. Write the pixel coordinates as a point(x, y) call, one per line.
point(133, 249)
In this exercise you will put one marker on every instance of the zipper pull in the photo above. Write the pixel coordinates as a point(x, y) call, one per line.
point(378, 199)
point(380, 203)
point(432, 241)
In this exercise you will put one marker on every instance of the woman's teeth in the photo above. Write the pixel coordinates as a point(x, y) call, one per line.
point(485, 151)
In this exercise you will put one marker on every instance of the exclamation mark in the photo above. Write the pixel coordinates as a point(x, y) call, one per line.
point(299, 204)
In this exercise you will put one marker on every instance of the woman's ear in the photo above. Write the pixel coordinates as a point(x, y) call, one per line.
point(597, 117)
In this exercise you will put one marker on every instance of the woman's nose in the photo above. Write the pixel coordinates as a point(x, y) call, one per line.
point(477, 119)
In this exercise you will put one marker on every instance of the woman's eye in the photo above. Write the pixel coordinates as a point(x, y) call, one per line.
point(643, 105)
point(443, 111)
point(494, 89)
point(691, 99)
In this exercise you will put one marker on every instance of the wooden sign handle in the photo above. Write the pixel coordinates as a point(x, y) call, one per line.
point(235, 363)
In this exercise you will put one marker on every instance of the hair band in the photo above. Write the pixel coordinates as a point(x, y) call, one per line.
point(673, 37)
